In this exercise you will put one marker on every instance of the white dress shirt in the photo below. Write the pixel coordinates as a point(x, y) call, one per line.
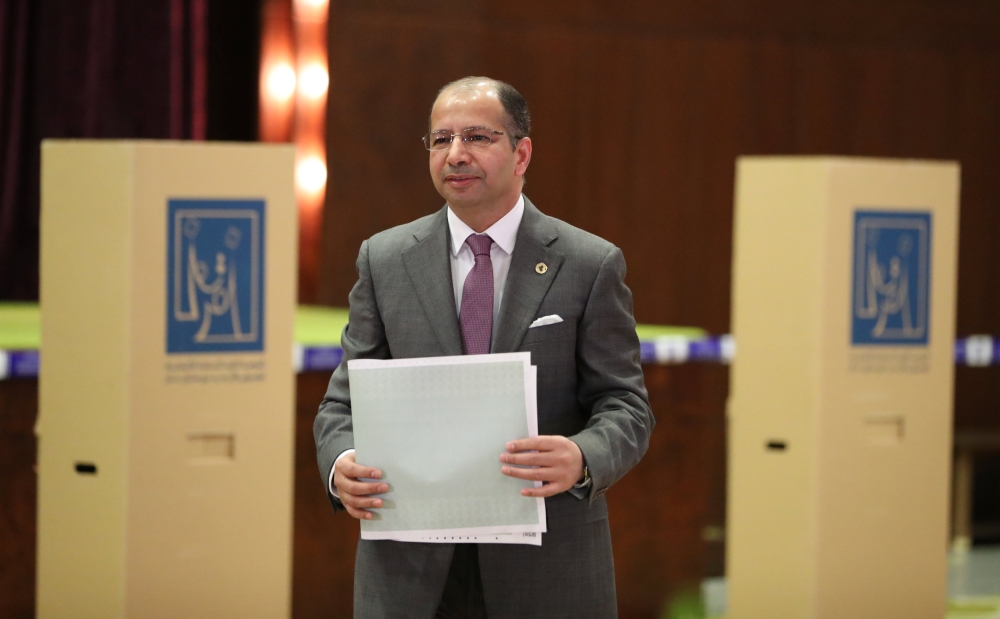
point(503, 233)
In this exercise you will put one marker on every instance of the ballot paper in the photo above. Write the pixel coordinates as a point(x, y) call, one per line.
point(533, 539)
point(436, 427)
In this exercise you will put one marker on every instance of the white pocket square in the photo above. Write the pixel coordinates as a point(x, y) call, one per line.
point(546, 320)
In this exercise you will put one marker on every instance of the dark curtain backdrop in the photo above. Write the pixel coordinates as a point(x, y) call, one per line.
point(177, 69)
point(181, 69)
point(18, 224)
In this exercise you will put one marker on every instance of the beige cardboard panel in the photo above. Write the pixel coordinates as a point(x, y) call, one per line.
point(204, 479)
point(221, 527)
point(872, 539)
point(884, 496)
point(777, 304)
point(83, 384)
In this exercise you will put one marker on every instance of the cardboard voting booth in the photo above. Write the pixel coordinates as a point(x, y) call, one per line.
point(840, 406)
point(168, 290)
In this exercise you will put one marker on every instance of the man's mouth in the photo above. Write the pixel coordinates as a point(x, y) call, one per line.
point(459, 179)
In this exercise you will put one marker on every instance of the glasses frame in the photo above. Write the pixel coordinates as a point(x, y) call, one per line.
point(451, 138)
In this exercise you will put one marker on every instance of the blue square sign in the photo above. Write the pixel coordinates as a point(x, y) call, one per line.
point(215, 276)
point(892, 264)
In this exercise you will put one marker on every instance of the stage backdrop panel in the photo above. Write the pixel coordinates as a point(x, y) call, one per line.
point(840, 410)
point(166, 398)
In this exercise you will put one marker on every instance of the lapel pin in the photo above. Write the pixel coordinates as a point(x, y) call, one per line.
point(541, 268)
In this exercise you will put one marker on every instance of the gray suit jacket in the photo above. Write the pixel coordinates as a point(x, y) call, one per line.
point(590, 389)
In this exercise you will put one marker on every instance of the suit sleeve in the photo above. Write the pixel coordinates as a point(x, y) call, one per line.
point(611, 386)
point(363, 337)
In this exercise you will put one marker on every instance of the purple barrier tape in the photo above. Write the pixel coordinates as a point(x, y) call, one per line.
point(960, 352)
point(973, 351)
point(22, 363)
point(647, 352)
point(321, 359)
point(978, 351)
point(707, 349)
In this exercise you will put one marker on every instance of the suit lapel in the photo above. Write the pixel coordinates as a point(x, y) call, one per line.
point(525, 287)
point(428, 266)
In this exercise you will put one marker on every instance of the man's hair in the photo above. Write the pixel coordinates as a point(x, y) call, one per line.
point(516, 119)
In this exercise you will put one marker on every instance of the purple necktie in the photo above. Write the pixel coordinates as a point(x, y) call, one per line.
point(476, 315)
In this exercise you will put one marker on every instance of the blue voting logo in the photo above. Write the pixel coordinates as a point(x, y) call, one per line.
point(892, 261)
point(215, 276)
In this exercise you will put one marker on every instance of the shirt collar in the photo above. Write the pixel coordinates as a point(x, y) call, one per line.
point(503, 232)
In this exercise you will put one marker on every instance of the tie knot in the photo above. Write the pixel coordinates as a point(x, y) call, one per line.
point(479, 244)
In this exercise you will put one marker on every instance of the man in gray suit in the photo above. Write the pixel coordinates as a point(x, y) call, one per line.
point(474, 278)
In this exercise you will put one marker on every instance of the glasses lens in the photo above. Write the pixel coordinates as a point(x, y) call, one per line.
point(477, 136)
point(437, 140)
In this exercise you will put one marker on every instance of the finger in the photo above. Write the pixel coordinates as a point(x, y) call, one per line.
point(360, 514)
point(359, 488)
point(539, 443)
point(349, 468)
point(535, 474)
point(545, 491)
point(360, 502)
point(535, 458)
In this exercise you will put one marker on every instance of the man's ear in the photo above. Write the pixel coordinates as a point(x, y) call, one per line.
point(522, 153)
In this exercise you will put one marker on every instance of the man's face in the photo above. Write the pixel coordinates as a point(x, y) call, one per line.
point(476, 176)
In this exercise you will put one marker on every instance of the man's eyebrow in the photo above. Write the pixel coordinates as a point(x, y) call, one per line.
point(463, 129)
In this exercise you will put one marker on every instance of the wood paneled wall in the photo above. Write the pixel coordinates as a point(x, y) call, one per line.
point(639, 111)
point(18, 494)
point(641, 108)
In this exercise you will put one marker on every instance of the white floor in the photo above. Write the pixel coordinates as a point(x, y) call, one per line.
point(977, 573)
point(972, 574)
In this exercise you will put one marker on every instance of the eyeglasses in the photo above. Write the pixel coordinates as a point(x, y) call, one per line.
point(474, 137)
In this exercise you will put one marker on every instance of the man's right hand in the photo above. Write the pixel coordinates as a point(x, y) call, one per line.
point(356, 494)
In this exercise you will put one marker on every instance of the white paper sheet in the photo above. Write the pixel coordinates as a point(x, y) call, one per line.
point(436, 427)
point(533, 539)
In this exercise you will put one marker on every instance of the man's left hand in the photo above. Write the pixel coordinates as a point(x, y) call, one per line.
point(558, 460)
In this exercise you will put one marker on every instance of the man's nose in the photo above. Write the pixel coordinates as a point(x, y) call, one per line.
point(458, 153)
